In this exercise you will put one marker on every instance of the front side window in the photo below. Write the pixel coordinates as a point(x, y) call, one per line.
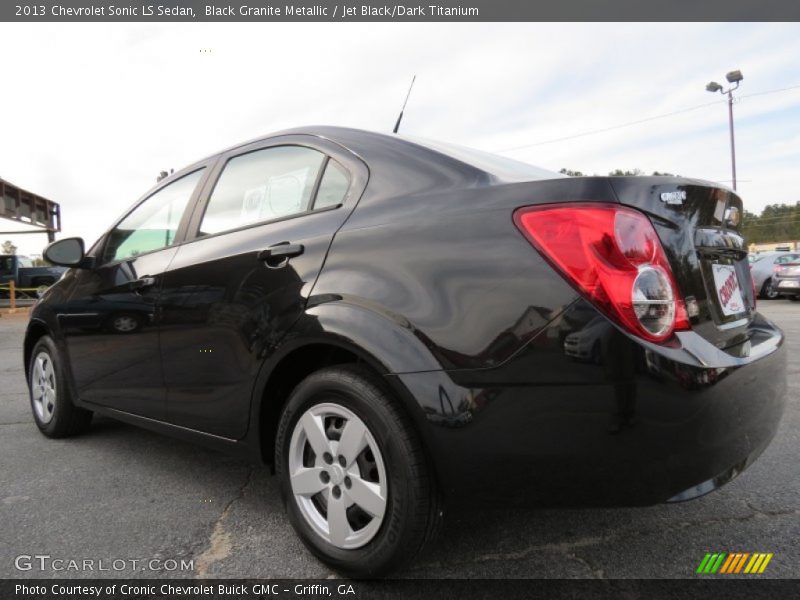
point(261, 186)
point(153, 224)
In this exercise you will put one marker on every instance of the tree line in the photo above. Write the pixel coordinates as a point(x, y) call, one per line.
point(776, 223)
point(8, 247)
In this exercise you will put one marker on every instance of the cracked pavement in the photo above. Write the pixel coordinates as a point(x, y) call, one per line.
point(124, 493)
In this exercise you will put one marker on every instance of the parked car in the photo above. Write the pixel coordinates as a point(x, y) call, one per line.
point(382, 319)
point(787, 279)
point(763, 267)
point(587, 343)
point(20, 270)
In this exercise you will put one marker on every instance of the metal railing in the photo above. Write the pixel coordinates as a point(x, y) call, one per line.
point(13, 290)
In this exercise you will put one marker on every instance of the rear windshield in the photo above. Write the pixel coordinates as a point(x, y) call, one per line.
point(499, 166)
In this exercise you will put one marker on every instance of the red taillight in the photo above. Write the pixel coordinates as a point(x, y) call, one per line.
point(613, 256)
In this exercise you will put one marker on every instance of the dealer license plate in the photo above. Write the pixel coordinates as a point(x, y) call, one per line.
point(729, 291)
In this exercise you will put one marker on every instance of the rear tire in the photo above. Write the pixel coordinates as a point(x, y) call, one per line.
point(53, 410)
point(403, 507)
point(768, 290)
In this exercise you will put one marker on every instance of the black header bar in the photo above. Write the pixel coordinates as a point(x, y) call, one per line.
point(410, 11)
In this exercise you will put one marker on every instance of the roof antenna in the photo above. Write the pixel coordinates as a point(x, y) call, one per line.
point(400, 118)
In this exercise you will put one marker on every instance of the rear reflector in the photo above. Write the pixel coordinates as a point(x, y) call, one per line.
point(613, 257)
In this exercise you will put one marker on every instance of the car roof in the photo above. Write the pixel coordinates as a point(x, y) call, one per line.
point(362, 141)
point(773, 253)
point(382, 150)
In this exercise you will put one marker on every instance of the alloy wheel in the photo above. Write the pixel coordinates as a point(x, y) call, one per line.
point(337, 475)
point(771, 292)
point(43, 387)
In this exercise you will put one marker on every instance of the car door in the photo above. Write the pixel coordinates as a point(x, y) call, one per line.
point(109, 319)
point(261, 233)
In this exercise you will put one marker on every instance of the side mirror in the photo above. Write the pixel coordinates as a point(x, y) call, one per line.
point(66, 253)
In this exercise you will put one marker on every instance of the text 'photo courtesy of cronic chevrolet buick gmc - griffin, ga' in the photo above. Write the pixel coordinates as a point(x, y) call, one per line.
point(398, 326)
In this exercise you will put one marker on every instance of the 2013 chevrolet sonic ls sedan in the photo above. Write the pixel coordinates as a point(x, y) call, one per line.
point(397, 325)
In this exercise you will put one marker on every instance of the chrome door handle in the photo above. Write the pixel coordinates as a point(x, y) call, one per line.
point(278, 256)
point(141, 283)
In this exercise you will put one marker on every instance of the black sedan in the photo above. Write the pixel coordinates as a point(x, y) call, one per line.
point(398, 326)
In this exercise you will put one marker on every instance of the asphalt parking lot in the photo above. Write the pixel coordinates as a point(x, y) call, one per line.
point(123, 493)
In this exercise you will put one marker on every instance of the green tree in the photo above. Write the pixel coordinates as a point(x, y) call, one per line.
point(618, 173)
point(9, 247)
point(776, 223)
point(621, 173)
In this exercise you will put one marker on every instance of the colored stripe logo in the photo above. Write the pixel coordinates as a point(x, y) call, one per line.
point(734, 563)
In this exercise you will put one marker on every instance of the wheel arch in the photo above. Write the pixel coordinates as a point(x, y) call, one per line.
point(299, 358)
point(36, 330)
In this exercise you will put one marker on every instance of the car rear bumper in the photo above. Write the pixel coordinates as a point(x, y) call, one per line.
point(788, 285)
point(640, 426)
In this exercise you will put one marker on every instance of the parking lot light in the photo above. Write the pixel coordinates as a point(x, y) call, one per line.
point(734, 78)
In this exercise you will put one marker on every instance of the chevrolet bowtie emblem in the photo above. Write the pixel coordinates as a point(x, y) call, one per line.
point(673, 197)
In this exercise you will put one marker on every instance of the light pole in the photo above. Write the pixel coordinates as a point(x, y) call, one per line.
point(734, 78)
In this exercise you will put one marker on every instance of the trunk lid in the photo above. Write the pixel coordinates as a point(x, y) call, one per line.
point(699, 224)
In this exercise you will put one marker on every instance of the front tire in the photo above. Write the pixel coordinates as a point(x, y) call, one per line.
point(53, 411)
point(353, 475)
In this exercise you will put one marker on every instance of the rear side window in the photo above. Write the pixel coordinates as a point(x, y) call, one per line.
point(333, 186)
point(262, 185)
point(499, 166)
point(153, 224)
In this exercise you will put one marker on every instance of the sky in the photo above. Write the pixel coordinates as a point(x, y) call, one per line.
point(93, 112)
